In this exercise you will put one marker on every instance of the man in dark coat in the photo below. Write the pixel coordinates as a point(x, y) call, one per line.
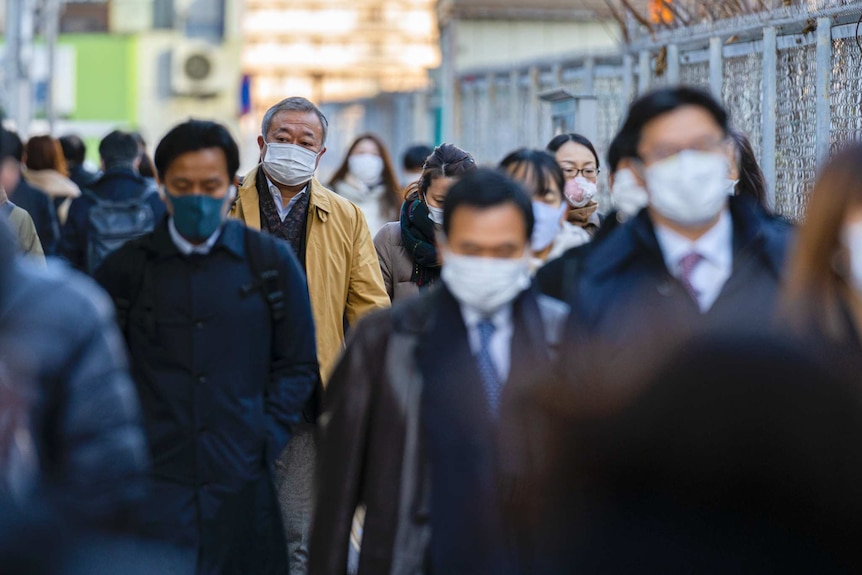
point(219, 327)
point(70, 432)
point(413, 419)
point(25, 196)
point(75, 152)
point(695, 259)
point(120, 183)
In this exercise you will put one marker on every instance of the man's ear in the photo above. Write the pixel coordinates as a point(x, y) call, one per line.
point(262, 145)
point(319, 155)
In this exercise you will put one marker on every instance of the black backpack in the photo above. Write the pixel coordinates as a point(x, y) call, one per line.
point(110, 224)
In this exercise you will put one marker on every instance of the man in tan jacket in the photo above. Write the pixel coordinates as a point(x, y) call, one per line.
point(331, 239)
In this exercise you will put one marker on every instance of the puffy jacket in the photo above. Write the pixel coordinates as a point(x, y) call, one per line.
point(63, 354)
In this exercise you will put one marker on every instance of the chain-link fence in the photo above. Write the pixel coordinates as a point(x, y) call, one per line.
point(791, 79)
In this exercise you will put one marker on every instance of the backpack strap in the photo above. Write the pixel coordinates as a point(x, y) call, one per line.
point(265, 262)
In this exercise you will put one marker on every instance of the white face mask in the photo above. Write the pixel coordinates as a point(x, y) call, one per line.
point(547, 224)
point(688, 188)
point(580, 191)
point(629, 196)
point(852, 238)
point(367, 168)
point(486, 284)
point(435, 214)
point(289, 164)
point(730, 186)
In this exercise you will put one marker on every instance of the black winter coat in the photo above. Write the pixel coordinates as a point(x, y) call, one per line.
point(41, 209)
point(221, 383)
point(116, 185)
point(64, 378)
point(628, 310)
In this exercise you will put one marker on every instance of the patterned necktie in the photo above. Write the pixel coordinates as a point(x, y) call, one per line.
point(687, 264)
point(487, 369)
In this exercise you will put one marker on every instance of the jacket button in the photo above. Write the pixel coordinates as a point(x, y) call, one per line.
point(199, 324)
point(202, 379)
point(664, 288)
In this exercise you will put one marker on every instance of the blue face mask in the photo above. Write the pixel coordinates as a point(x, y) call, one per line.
point(197, 217)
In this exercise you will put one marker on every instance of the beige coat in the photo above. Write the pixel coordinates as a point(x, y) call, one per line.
point(57, 186)
point(24, 230)
point(344, 279)
point(395, 263)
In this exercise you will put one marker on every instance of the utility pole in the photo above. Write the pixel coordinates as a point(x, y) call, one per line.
point(51, 28)
point(17, 62)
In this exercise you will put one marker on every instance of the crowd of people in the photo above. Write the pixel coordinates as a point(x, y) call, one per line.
point(463, 369)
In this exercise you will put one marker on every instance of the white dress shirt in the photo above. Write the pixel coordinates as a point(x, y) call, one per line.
point(501, 340)
point(715, 247)
point(279, 201)
point(186, 247)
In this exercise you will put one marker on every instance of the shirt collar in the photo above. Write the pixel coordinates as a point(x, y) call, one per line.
point(715, 246)
point(499, 318)
point(186, 247)
point(276, 193)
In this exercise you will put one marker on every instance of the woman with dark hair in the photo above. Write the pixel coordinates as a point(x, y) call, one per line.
point(367, 179)
point(46, 170)
point(543, 179)
point(579, 160)
point(407, 249)
point(823, 293)
point(745, 175)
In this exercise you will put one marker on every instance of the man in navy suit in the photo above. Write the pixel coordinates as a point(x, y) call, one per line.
point(417, 407)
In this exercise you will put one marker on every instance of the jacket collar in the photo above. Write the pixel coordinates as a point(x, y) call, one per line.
point(249, 198)
point(636, 239)
point(231, 239)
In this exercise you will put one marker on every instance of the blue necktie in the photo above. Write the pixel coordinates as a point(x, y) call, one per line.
point(487, 369)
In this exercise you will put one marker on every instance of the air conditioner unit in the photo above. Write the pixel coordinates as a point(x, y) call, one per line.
point(196, 70)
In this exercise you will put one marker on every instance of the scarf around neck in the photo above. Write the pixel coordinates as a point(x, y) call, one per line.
point(417, 234)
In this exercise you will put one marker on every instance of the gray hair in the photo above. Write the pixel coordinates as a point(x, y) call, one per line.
point(295, 104)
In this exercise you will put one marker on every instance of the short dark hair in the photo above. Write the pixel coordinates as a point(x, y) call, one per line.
point(487, 188)
point(665, 100)
point(118, 149)
point(540, 168)
point(562, 139)
point(620, 148)
point(192, 136)
point(74, 149)
point(11, 145)
point(415, 156)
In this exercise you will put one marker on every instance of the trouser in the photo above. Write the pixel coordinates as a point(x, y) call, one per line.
point(294, 480)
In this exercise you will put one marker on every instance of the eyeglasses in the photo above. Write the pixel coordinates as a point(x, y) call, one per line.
point(664, 152)
point(585, 172)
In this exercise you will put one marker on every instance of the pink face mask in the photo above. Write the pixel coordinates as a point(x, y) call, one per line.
point(580, 191)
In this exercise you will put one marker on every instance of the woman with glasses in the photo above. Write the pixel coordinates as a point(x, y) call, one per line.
point(579, 161)
point(543, 179)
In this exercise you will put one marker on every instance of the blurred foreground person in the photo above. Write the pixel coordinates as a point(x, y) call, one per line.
point(543, 179)
point(740, 455)
point(118, 207)
point(366, 178)
point(25, 196)
point(75, 153)
point(824, 285)
point(219, 327)
point(407, 249)
point(46, 170)
point(580, 163)
point(70, 433)
point(413, 412)
point(696, 259)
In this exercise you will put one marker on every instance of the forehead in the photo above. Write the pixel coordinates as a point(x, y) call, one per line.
point(296, 121)
point(200, 164)
point(503, 224)
point(683, 125)
point(365, 145)
point(440, 185)
point(575, 153)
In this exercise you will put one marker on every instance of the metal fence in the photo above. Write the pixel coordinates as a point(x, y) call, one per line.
point(791, 79)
